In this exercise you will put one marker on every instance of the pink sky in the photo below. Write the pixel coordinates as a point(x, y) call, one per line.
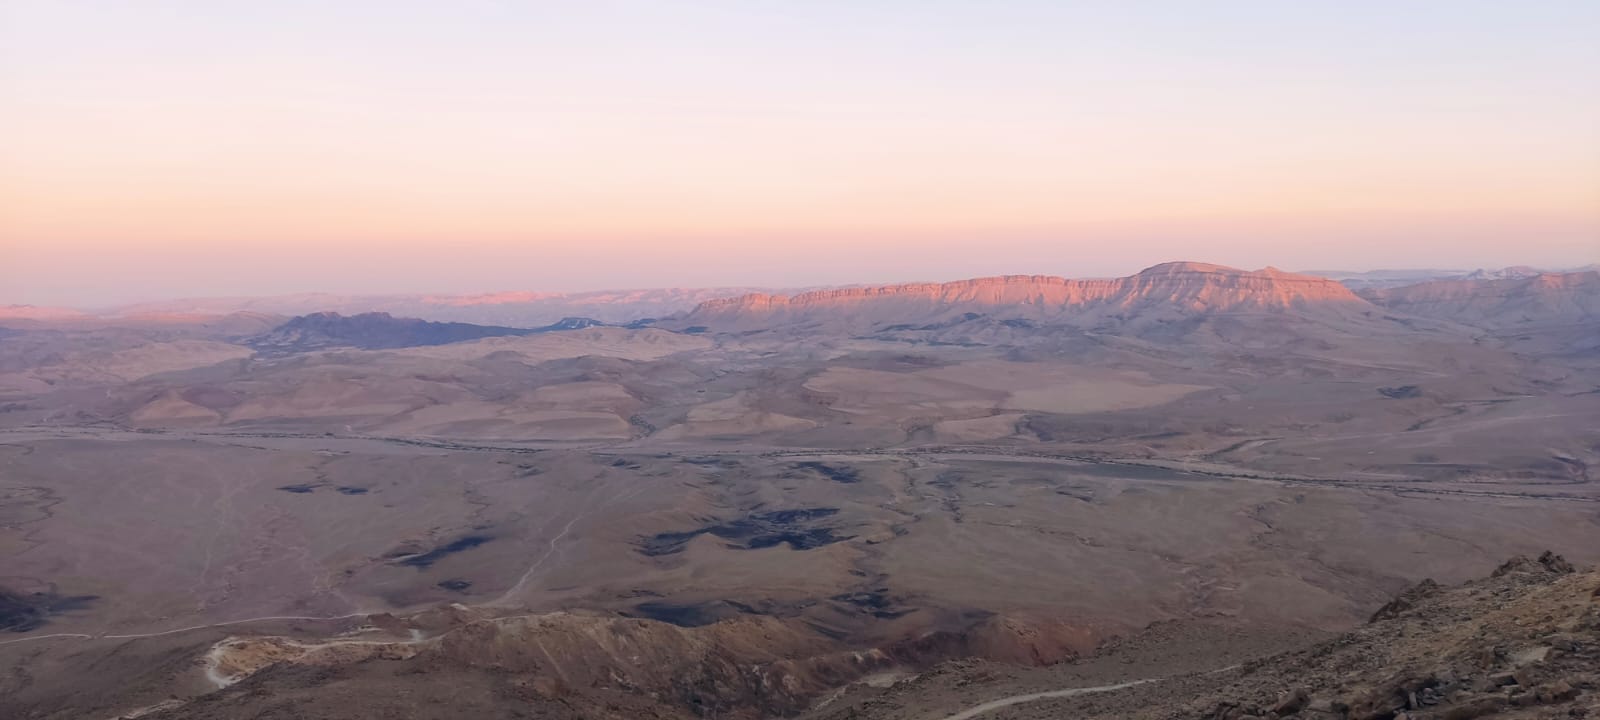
point(218, 151)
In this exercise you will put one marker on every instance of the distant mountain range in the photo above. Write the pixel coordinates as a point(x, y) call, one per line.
point(1167, 299)
point(1539, 299)
point(1368, 279)
point(1168, 302)
point(510, 309)
point(1157, 299)
point(382, 331)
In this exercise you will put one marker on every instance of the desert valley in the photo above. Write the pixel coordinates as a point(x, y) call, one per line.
point(922, 502)
point(751, 360)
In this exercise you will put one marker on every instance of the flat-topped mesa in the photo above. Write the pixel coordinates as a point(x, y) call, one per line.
point(1000, 290)
point(1181, 286)
point(1215, 288)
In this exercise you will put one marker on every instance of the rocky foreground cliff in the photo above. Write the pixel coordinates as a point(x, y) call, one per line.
point(1523, 643)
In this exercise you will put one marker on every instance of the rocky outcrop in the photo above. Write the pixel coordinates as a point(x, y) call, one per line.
point(1546, 562)
point(1406, 601)
point(1524, 642)
point(1521, 643)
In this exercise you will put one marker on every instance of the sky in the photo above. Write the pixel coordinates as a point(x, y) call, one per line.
point(171, 149)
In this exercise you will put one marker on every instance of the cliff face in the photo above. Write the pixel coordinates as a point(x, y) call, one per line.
point(1540, 300)
point(1172, 288)
point(1213, 288)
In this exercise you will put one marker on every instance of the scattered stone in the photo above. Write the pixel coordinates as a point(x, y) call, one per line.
point(1565, 642)
point(1406, 600)
point(1558, 691)
point(1291, 702)
point(1547, 562)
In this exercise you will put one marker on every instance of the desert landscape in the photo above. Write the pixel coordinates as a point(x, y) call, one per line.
point(828, 504)
point(751, 360)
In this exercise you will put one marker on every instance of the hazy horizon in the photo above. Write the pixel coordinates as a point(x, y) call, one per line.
point(187, 149)
point(795, 286)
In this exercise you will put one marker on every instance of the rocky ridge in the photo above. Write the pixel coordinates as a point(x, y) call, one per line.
point(1523, 643)
point(368, 331)
point(576, 665)
point(1181, 288)
point(382, 331)
point(1542, 299)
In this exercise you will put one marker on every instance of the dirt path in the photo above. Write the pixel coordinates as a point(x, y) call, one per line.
point(993, 705)
point(526, 574)
point(30, 638)
point(175, 631)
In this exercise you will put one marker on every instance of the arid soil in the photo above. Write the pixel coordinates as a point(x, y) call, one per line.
point(959, 497)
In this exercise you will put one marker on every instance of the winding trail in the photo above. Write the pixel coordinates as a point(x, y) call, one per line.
point(551, 549)
point(526, 574)
point(993, 705)
point(80, 636)
point(213, 657)
point(175, 631)
point(226, 623)
point(1005, 702)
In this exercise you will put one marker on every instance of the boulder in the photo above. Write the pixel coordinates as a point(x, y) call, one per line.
point(1291, 702)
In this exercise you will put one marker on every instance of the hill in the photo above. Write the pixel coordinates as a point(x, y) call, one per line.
point(1376, 279)
point(1540, 300)
point(1522, 643)
point(377, 331)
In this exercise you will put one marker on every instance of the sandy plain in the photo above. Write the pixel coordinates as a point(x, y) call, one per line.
point(858, 493)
